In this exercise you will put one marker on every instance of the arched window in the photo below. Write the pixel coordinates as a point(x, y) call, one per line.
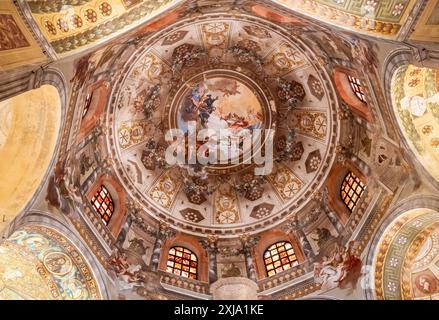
point(279, 257)
point(103, 204)
point(351, 190)
point(182, 262)
point(357, 88)
point(87, 104)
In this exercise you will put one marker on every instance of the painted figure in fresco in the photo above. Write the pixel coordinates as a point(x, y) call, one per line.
point(426, 284)
point(57, 264)
point(323, 236)
point(206, 109)
point(129, 275)
point(227, 87)
point(11, 36)
point(137, 245)
point(306, 246)
point(63, 187)
point(57, 193)
point(199, 104)
point(231, 270)
point(338, 270)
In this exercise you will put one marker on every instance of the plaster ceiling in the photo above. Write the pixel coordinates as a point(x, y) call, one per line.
point(241, 61)
point(28, 133)
point(404, 264)
point(415, 100)
point(72, 24)
point(378, 18)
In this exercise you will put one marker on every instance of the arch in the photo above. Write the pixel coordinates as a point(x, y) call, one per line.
point(269, 238)
point(38, 262)
point(414, 97)
point(397, 244)
point(59, 224)
point(351, 90)
point(29, 131)
point(395, 60)
point(182, 262)
point(191, 243)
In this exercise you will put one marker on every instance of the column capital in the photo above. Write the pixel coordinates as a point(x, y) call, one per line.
point(210, 244)
point(248, 241)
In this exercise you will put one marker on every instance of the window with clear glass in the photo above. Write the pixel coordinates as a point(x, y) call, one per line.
point(103, 204)
point(357, 88)
point(182, 262)
point(279, 257)
point(351, 191)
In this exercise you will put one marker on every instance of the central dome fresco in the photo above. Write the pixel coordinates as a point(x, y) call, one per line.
point(223, 72)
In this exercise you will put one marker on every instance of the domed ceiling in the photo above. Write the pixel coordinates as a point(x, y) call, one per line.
point(415, 99)
point(246, 74)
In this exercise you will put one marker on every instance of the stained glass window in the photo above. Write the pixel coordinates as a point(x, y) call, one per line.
point(357, 88)
point(182, 262)
point(87, 104)
point(351, 191)
point(103, 204)
point(279, 257)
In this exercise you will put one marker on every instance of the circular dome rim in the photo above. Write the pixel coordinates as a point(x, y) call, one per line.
point(154, 211)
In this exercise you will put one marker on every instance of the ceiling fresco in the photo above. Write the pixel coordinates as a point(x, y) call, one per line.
point(415, 96)
point(17, 44)
point(427, 26)
point(228, 65)
point(425, 269)
point(55, 269)
point(202, 56)
point(69, 25)
point(404, 264)
point(380, 18)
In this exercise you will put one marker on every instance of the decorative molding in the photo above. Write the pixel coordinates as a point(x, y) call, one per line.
point(26, 14)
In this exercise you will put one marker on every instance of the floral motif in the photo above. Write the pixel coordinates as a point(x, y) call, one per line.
point(186, 55)
point(394, 262)
point(192, 215)
point(258, 32)
point(402, 240)
point(290, 93)
point(105, 9)
point(91, 15)
point(63, 25)
point(262, 210)
point(174, 37)
point(76, 21)
point(315, 87)
point(313, 161)
point(251, 186)
point(244, 55)
point(391, 286)
point(154, 156)
point(397, 10)
point(50, 27)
